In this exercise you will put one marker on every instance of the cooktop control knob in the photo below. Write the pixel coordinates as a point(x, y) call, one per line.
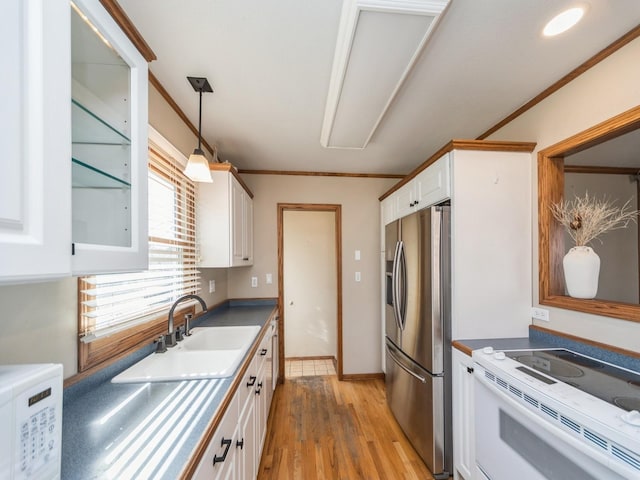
point(632, 418)
point(487, 350)
point(499, 356)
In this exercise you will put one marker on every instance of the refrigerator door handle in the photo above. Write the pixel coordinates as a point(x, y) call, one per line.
point(402, 286)
point(394, 286)
point(398, 363)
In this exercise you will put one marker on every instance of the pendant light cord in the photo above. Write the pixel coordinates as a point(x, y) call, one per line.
point(200, 123)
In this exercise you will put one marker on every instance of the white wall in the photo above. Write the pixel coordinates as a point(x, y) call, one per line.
point(360, 231)
point(310, 284)
point(606, 90)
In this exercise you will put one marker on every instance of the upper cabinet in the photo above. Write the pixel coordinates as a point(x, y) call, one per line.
point(430, 186)
point(35, 174)
point(109, 103)
point(225, 220)
point(73, 177)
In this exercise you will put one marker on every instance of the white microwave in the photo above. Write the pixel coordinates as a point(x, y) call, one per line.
point(30, 421)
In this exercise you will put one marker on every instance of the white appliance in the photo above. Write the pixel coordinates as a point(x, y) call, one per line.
point(555, 415)
point(31, 421)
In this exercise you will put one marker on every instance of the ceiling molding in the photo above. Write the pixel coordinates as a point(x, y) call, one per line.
point(593, 61)
point(320, 174)
point(120, 17)
point(153, 80)
point(372, 33)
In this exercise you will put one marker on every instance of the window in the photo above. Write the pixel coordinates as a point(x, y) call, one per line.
point(120, 312)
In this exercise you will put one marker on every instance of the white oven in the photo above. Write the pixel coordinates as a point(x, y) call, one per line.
point(31, 421)
point(531, 426)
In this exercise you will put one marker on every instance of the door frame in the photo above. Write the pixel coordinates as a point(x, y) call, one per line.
point(310, 207)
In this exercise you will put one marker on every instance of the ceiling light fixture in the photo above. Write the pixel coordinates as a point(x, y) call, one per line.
point(563, 21)
point(197, 168)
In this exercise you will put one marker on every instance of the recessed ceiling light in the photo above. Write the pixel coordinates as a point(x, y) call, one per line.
point(563, 21)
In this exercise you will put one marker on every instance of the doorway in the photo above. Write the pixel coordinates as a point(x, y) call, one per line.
point(310, 285)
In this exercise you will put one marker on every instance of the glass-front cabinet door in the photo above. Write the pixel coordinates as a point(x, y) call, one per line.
point(109, 144)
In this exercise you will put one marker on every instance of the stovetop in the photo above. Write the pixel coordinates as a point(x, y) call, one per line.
point(570, 389)
point(614, 385)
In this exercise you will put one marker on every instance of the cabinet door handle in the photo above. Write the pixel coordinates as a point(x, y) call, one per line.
point(252, 381)
point(245, 258)
point(469, 370)
point(240, 443)
point(263, 352)
point(226, 442)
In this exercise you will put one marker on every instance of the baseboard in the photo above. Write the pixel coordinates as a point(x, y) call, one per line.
point(362, 376)
point(327, 357)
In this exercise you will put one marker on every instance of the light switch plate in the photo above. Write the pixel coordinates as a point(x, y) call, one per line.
point(254, 282)
point(268, 278)
point(212, 286)
point(357, 254)
point(358, 276)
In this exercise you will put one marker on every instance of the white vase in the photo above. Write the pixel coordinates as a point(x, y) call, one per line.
point(581, 271)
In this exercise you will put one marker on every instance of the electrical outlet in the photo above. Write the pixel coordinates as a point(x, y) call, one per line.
point(254, 282)
point(540, 314)
point(358, 276)
point(268, 278)
point(212, 286)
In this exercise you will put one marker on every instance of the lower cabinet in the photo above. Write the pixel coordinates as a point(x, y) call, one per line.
point(463, 416)
point(235, 449)
point(219, 461)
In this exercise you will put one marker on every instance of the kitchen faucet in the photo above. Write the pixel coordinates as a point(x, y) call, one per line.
point(170, 337)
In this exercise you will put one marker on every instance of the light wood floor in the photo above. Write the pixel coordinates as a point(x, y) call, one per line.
point(320, 428)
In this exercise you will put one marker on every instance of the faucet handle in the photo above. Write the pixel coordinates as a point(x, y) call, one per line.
point(161, 346)
point(179, 336)
point(187, 324)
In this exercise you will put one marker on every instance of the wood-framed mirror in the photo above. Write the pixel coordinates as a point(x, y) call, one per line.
point(589, 153)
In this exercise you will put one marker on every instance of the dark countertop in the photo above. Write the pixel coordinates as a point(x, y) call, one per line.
point(523, 343)
point(144, 430)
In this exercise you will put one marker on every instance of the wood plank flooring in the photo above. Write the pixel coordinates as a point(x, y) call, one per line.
point(320, 428)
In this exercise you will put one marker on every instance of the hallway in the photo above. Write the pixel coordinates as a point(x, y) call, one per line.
point(321, 428)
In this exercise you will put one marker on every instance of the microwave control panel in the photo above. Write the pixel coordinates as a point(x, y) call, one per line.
point(38, 427)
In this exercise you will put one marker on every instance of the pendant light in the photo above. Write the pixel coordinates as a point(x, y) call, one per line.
point(197, 168)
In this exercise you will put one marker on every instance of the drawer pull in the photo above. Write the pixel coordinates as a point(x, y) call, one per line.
point(263, 352)
point(225, 443)
point(252, 381)
point(240, 443)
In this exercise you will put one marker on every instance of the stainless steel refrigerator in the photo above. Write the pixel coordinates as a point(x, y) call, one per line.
point(418, 332)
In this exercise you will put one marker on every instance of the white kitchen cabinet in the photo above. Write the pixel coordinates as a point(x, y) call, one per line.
point(35, 174)
point(463, 416)
point(429, 187)
point(225, 220)
point(109, 105)
point(262, 393)
point(71, 96)
point(219, 461)
point(247, 459)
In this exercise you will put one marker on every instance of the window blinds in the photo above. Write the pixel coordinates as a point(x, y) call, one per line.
point(113, 302)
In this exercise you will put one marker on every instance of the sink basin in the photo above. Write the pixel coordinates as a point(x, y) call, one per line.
point(210, 352)
point(219, 338)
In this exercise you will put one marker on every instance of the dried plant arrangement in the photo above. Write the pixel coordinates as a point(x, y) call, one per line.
point(586, 218)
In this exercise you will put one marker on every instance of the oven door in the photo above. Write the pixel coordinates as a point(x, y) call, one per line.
point(513, 442)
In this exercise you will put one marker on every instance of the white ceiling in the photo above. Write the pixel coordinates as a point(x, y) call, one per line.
point(269, 62)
